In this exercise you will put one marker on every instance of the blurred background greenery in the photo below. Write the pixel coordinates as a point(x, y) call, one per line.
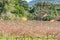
point(20, 10)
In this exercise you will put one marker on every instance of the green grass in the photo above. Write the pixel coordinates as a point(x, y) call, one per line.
point(27, 38)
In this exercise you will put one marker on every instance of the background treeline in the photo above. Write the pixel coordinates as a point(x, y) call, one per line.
point(20, 10)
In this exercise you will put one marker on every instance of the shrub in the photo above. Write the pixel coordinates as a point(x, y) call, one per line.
point(47, 18)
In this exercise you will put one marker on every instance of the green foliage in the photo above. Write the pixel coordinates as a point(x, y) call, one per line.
point(1, 7)
point(25, 5)
point(47, 7)
point(31, 17)
point(21, 8)
point(47, 18)
point(13, 6)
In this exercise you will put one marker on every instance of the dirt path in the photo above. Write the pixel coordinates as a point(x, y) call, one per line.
point(31, 28)
point(29, 23)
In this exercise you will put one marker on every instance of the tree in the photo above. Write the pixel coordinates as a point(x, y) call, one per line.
point(19, 10)
point(47, 7)
point(24, 4)
point(11, 6)
point(1, 7)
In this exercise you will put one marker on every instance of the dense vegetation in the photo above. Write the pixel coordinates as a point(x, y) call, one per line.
point(20, 10)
